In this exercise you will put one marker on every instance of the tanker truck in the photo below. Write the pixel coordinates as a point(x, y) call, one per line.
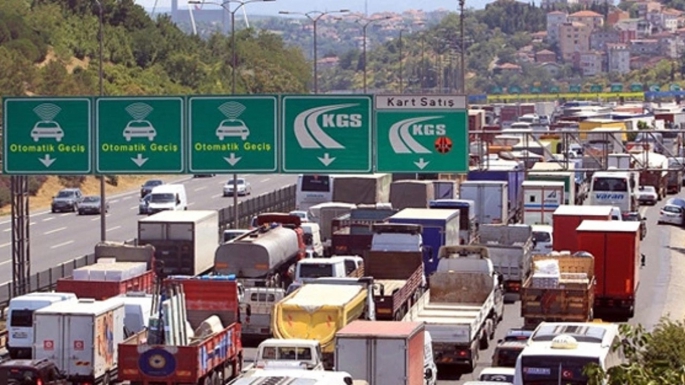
point(263, 261)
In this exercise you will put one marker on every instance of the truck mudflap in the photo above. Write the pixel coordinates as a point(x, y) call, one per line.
point(614, 307)
point(167, 365)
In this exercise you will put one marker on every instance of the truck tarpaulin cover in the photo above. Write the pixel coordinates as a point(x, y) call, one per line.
point(368, 189)
point(411, 194)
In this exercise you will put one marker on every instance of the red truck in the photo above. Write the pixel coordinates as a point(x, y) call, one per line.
point(616, 248)
point(567, 218)
point(212, 360)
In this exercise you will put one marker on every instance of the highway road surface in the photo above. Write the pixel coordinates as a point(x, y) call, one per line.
point(60, 237)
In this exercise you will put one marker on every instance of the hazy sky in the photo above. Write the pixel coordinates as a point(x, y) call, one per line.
point(272, 8)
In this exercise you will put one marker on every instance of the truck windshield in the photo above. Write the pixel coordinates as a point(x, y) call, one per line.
point(286, 353)
point(316, 270)
point(162, 198)
point(506, 357)
point(610, 184)
point(541, 236)
point(556, 370)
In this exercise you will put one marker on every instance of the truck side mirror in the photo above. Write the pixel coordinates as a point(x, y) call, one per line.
point(428, 374)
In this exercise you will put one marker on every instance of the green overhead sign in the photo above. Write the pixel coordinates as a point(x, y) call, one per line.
point(139, 135)
point(233, 134)
point(416, 133)
point(323, 133)
point(47, 136)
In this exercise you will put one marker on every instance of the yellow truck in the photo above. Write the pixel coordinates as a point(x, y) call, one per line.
point(317, 310)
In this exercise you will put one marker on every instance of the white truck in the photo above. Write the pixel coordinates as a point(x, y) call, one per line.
point(491, 197)
point(291, 353)
point(540, 199)
point(184, 241)
point(510, 249)
point(463, 306)
point(81, 338)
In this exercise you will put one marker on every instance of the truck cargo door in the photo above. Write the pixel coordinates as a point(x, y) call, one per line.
point(48, 342)
point(390, 360)
point(596, 244)
point(619, 265)
point(355, 356)
point(79, 350)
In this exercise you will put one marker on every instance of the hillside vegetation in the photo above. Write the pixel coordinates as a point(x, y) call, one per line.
point(51, 48)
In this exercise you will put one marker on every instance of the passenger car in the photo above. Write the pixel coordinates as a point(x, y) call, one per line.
point(637, 217)
point(304, 217)
point(232, 128)
point(36, 372)
point(508, 349)
point(139, 129)
point(92, 204)
point(147, 187)
point(144, 204)
point(66, 199)
point(47, 130)
point(542, 239)
point(497, 374)
point(242, 187)
point(647, 195)
point(672, 214)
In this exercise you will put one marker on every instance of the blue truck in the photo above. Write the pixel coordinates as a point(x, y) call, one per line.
point(505, 171)
point(440, 227)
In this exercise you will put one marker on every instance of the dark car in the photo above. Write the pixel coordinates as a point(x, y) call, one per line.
point(147, 187)
point(144, 205)
point(30, 372)
point(509, 348)
point(637, 217)
point(66, 199)
point(92, 205)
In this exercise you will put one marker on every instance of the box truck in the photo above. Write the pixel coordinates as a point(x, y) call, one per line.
point(566, 220)
point(491, 198)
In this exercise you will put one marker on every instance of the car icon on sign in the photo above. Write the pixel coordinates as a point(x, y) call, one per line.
point(139, 129)
point(46, 129)
point(232, 128)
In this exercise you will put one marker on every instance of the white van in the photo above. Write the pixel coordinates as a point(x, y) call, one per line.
point(168, 197)
point(312, 238)
point(20, 316)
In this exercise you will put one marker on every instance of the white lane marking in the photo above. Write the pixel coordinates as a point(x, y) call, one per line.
point(114, 201)
point(6, 262)
point(95, 219)
point(264, 180)
point(126, 198)
point(6, 244)
point(54, 231)
point(217, 196)
point(61, 244)
point(7, 230)
point(32, 223)
point(200, 188)
point(133, 208)
point(113, 228)
point(64, 214)
point(48, 219)
point(191, 203)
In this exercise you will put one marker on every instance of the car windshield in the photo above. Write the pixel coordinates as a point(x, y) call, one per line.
point(153, 183)
point(518, 335)
point(139, 124)
point(238, 181)
point(47, 125)
point(648, 189)
point(541, 236)
point(631, 217)
point(672, 209)
point(91, 199)
point(162, 198)
point(65, 194)
point(232, 123)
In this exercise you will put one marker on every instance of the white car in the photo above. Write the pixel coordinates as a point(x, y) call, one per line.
point(304, 217)
point(647, 195)
point(500, 375)
point(242, 187)
point(672, 214)
point(542, 236)
point(139, 129)
point(232, 128)
point(47, 129)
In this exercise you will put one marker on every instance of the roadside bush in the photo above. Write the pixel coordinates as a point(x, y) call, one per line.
point(35, 183)
point(72, 181)
point(112, 179)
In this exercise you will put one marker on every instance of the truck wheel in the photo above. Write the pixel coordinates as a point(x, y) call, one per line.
point(215, 379)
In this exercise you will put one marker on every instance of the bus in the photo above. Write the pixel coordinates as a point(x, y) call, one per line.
point(614, 188)
point(558, 352)
point(312, 190)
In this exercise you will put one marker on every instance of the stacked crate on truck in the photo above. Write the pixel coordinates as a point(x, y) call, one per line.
point(108, 278)
point(566, 297)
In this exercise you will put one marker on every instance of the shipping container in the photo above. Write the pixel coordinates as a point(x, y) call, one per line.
point(491, 200)
point(566, 220)
point(184, 241)
point(411, 194)
point(616, 248)
point(362, 189)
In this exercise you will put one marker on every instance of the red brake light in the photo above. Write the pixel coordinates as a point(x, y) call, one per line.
point(39, 382)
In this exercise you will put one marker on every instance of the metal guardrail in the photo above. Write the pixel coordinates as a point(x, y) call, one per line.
point(281, 200)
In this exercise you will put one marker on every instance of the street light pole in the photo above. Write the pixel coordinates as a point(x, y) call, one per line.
point(463, 48)
point(400, 52)
point(226, 5)
point(103, 197)
point(365, 24)
point(314, 17)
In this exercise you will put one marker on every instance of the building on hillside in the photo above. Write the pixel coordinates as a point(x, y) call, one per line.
point(599, 38)
point(554, 20)
point(589, 18)
point(589, 63)
point(615, 16)
point(545, 56)
point(618, 58)
point(573, 37)
point(538, 37)
point(553, 69)
point(645, 7)
point(646, 47)
point(669, 19)
point(508, 68)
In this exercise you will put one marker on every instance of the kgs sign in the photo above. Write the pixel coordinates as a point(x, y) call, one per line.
point(324, 133)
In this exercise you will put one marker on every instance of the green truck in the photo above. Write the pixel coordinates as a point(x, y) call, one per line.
point(572, 197)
